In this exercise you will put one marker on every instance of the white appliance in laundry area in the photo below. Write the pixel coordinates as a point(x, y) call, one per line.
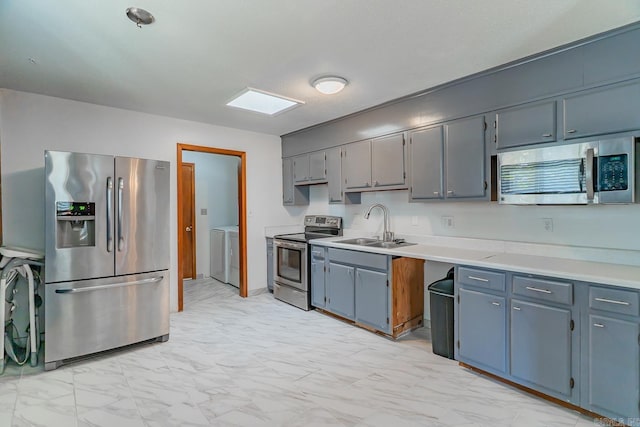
point(224, 254)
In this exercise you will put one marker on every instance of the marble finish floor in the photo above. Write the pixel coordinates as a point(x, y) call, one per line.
point(260, 362)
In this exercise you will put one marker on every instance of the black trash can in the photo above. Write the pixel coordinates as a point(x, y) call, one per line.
point(441, 305)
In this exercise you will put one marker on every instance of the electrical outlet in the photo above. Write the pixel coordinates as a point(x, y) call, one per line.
point(203, 211)
point(414, 220)
point(447, 222)
point(547, 223)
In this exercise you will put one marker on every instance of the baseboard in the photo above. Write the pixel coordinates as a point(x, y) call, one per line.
point(254, 292)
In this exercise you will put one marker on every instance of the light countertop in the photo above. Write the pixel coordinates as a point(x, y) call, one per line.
point(627, 276)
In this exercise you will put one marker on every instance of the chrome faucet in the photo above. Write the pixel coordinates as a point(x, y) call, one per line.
point(387, 236)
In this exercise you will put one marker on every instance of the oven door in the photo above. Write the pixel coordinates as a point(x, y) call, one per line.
point(290, 264)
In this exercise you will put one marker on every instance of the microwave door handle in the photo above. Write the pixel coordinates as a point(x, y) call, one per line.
point(588, 174)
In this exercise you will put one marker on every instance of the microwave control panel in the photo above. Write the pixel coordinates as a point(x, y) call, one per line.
point(613, 172)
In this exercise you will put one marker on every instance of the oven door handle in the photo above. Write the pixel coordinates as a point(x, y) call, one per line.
point(290, 245)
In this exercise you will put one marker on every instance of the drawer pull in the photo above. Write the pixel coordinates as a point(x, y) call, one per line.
point(544, 291)
point(571, 131)
point(479, 279)
point(547, 135)
point(598, 325)
point(497, 304)
point(517, 308)
point(612, 301)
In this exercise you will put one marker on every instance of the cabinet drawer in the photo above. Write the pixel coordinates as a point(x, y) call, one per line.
point(545, 290)
point(364, 259)
point(614, 300)
point(481, 278)
point(317, 253)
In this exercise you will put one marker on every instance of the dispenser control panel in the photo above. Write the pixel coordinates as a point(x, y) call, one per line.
point(75, 209)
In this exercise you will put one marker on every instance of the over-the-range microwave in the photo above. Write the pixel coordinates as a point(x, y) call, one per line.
point(599, 171)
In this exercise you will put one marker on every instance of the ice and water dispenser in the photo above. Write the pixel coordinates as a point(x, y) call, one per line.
point(76, 224)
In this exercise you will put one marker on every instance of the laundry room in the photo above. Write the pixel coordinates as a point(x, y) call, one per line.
point(212, 231)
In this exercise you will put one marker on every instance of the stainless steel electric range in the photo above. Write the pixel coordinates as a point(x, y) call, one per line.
point(292, 259)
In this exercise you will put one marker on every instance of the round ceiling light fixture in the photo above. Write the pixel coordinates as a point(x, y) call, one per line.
point(329, 84)
point(140, 16)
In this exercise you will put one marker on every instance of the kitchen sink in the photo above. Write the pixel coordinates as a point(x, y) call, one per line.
point(359, 241)
point(389, 245)
point(374, 243)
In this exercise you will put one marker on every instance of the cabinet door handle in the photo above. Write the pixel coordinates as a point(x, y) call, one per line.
point(450, 192)
point(436, 193)
point(612, 301)
point(479, 279)
point(375, 183)
point(544, 291)
point(571, 131)
point(497, 304)
point(598, 325)
point(547, 135)
point(516, 308)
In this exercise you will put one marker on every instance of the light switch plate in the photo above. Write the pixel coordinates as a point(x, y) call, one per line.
point(203, 211)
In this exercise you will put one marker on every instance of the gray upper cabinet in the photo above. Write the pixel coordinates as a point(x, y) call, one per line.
point(465, 158)
point(291, 194)
point(310, 168)
point(334, 179)
point(541, 346)
point(388, 160)
point(425, 168)
point(604, 110)
point(612, 58)
point(526, 124)
point(356, 166)
point(377, 164)
point(318, 166)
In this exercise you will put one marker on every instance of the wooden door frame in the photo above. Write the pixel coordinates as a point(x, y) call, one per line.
point(193, 211)
point(242, 213)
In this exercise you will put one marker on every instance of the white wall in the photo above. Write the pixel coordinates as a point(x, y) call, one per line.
point(31, 123)
point(603, 226)
point(216, 181)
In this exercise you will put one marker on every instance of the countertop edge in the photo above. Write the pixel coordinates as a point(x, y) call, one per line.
point(624, 276)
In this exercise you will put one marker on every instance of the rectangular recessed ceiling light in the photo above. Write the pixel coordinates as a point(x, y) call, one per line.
point(263, 102)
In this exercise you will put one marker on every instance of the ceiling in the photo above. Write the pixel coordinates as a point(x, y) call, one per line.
point(200, 53)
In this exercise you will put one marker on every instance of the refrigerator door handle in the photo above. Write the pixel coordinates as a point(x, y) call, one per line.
point(115, 285)
point(120, 238)
point(109, 212)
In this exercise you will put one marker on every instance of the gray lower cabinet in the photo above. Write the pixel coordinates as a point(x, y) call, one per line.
point(372, 299)
point(334, 179)
point(465, 159)
point(426, 156)
point(482, 330)
point(292, 195)
point(611, 353)
point(318, 256)
point(604, 110)
point(525, 124)
point(340, 290)
point(540, 346)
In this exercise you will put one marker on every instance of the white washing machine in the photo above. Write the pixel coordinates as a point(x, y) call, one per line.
point(222, 254)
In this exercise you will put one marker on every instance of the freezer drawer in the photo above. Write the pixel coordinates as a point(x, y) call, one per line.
point(89, 316)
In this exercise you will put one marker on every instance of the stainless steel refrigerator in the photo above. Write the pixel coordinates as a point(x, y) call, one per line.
point(107, 253)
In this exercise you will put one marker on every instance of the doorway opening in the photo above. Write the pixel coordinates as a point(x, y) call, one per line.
point(185, 226)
